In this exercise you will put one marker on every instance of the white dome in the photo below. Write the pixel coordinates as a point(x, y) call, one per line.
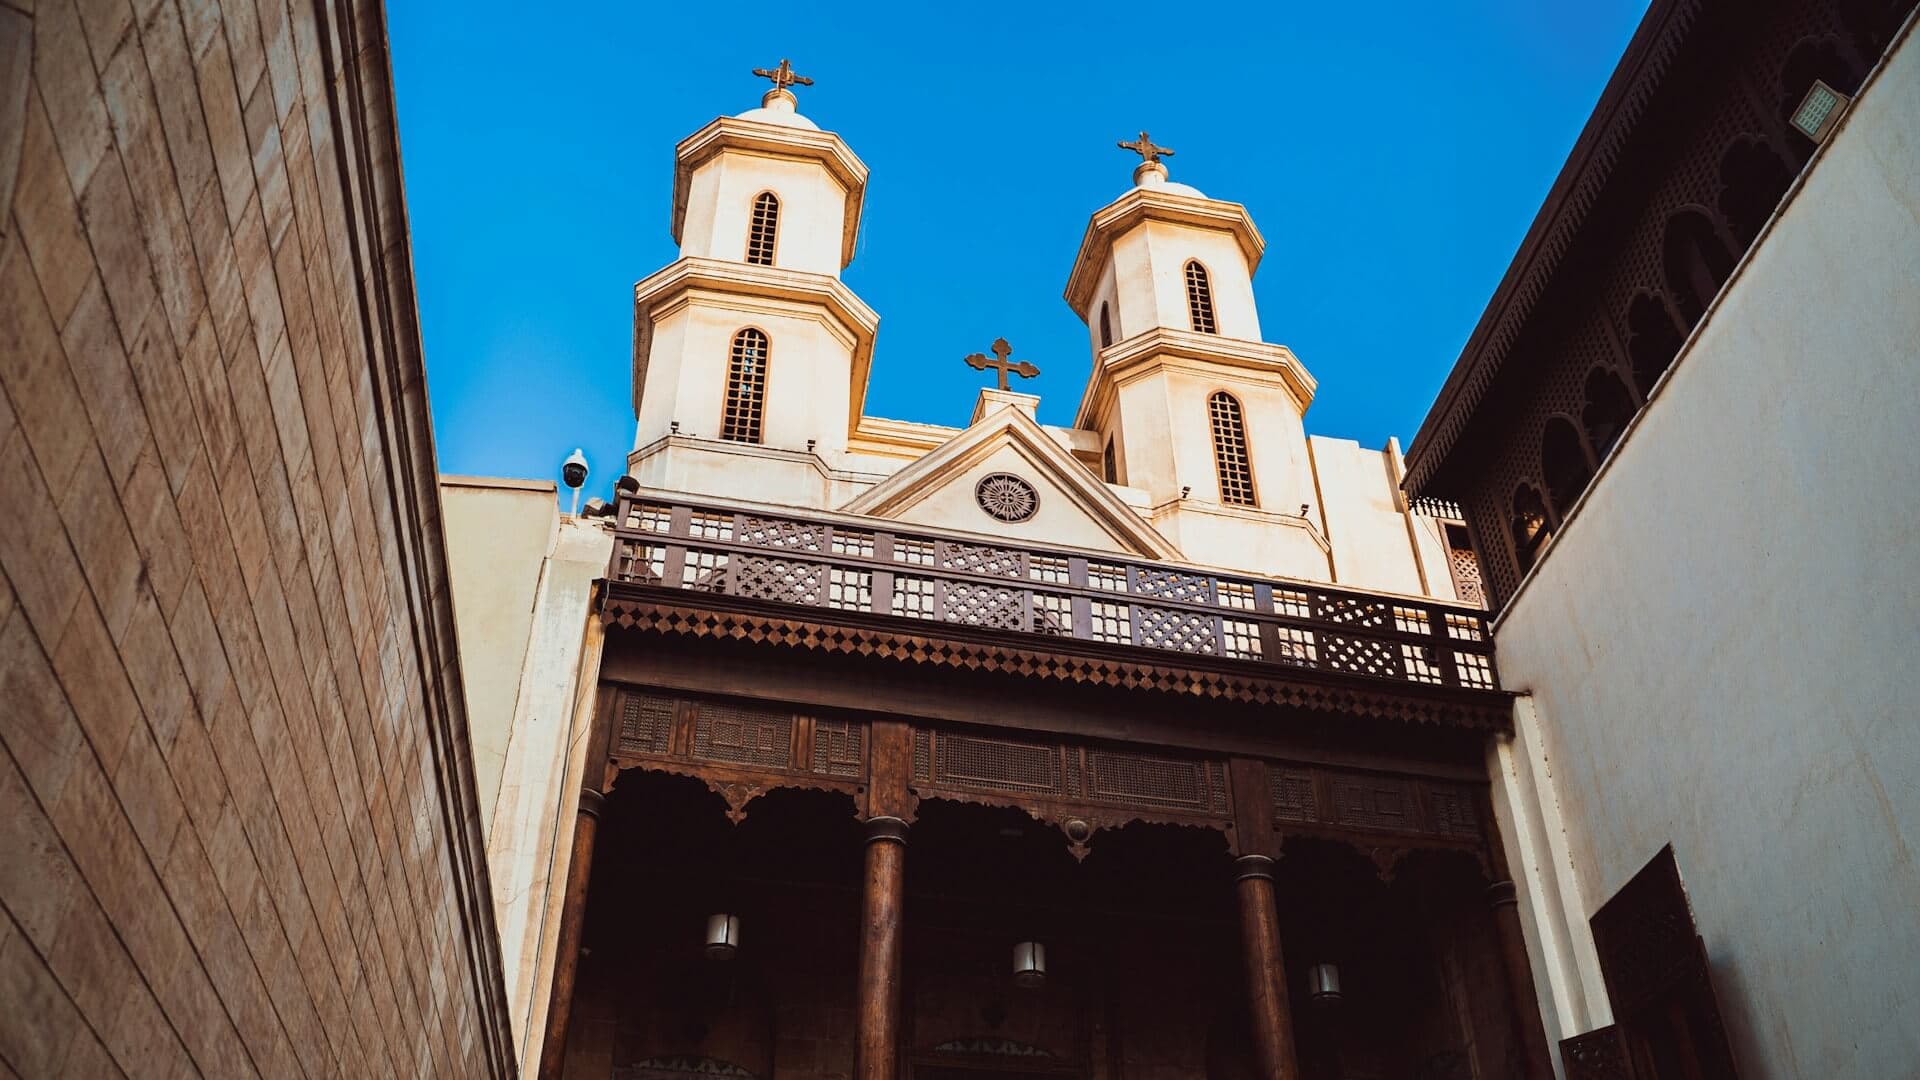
point(1152, 175)
point(777, 108)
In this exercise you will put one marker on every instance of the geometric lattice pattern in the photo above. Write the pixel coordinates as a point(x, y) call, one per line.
point(646, 724)
point(1182, 631)
point(1199, 299)
point(993, 606)
point(1366, 656)
point(742, 736)
point(979, 559)
point(1174, 585)
point(1466, 576)
point(776, 532)
point(778, 579)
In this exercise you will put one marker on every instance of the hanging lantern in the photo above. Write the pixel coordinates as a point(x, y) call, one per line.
point(1029, 964)
point(723, 936)
point(1323, 984)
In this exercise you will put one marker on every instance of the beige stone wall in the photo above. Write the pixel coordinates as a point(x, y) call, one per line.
point(238, 831)
point(1719, 641)
point(498, 535)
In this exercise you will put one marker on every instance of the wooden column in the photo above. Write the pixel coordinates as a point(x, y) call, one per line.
point(881, 902)
point(1266, 970)
point(566, 953)
point(596, 777)
point(1504, 900)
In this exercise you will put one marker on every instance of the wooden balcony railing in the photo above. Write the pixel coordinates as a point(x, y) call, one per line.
point(793, 559)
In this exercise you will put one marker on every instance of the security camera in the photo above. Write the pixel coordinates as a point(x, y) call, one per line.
point(574, 472)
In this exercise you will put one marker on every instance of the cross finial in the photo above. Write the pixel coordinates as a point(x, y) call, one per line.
point(783, 76)
point(1144, 147)
point(1001, 350)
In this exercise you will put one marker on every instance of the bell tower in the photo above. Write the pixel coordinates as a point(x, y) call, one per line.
point(749, 343)
point(1191, 406)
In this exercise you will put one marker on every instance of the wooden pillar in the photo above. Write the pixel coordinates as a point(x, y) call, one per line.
point(566, 953)
point(1504, 900)
point(597, 777)
point(1266, 970)
point(882, 893)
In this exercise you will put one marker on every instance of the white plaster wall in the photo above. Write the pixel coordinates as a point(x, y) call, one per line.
point(1168, 247)
point(1234, 538)
point(809, 372)
point(498, 532)
point(720, 196)
point(755, 473)
point(1360, 511)
point(540, 785)
point(1720, 641)
point(1170, 438)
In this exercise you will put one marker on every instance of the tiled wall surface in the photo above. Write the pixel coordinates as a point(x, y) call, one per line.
point(237, 828)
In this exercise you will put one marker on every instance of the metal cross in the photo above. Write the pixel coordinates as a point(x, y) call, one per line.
point(783, 75)
point(1145, 148)
point(1001, 350)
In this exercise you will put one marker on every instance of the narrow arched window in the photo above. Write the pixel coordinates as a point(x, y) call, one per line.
point(1528, 523)
point(1230, 460)
point(1106, 327)
point(764, 230)
point(746, 387)
point(1109, 471)
point(1199, 298)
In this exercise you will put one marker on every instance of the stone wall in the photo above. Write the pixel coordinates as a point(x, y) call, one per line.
point(1719, 641)
point(238, 828)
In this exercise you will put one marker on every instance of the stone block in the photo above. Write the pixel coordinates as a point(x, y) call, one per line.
point(88, 666)
point(106, 206)
point(33, 548)
point(64, 74)
point(33, 369)
point(49, 218)
point(98, 361)
point(100, 537)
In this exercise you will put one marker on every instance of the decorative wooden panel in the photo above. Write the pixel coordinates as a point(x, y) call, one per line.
point(1600, 1054)
point(1645, 935)
point(1371, 802)
point(742, 736)
point(712, 738)
point(1350, 800)
point(837, 747)
point(823, 565)
point(1024, 771)
point(1293, 794)
point(646, 724)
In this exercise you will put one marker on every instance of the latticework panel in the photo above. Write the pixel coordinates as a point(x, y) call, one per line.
point(1169, 584)
point(837, 749)
point(781, 533)
point(1052, 613)
point(997, 765)
point(1371, 802)
point(1145, 780)
point(1233, 464)
point(1172, 628)
point(705, 571)
point(640, 562)
point(1293, 795)
point(1454, 811)
point(764, 229)
point(1600, 1054)
point(1465, 566)
point(786, 580)
point(1366, 656)
point(646, 724)
point(979, 559)
point(992, 606)
point(1200, 299)
point(742, 736)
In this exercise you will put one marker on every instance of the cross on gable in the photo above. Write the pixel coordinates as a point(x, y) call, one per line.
point(783, 76)
point(1145, 148)
point(1001, 350)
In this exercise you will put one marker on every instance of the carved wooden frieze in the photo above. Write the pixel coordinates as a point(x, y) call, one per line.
point(1372, 802)
point(739, 751)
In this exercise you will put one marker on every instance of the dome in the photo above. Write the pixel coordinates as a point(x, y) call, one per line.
point(1153, 176)
point(777, 107)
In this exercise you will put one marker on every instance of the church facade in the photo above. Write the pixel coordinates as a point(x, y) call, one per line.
point(1152, 746)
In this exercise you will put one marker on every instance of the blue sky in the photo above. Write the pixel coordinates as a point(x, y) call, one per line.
point(1392, 154)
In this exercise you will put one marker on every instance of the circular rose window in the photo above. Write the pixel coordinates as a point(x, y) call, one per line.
point(1006, 496)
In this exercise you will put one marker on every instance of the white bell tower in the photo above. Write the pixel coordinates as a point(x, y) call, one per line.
point(749, 345)
point(1190, 405)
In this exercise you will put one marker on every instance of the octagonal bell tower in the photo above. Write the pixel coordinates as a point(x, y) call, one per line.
point(1192, 407)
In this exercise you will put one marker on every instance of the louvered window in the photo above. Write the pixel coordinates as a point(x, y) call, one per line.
point(1230, 458)
point(765, 228)
point(1107, 470)
point(1200, 299)
point(746, 387)
point(1106, 327)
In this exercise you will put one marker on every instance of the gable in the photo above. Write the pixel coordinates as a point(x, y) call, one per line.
point(1074, 509)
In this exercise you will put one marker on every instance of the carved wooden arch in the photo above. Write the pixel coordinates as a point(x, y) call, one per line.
point(739, 789)
point(1586, 422)
point(1080, 825)
point(1534, 487)
point(1745, 203)
point(1584, 461)
point(1655, 303)
point(1691, 216)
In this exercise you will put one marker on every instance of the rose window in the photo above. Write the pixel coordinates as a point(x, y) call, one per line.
point(1007, 497)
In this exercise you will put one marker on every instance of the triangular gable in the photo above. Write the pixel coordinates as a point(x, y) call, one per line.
point(1075, 509)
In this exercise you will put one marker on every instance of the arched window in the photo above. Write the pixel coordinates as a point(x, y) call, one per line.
point(746, 387)
point(1607, 410)
point(1652, 340)
point(1563, 462)
point(1106, 326)
point(1199, 298)
point(1695, 263)
point(1752, 180)
point(1230, 459)
point(764, 230)
point(1109, 470)
point(1529, 524)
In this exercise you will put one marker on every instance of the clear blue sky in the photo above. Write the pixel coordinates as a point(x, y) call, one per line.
point(1393, 154)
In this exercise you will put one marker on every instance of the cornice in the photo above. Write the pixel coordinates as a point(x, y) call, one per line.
point(824, 148)
point(1146, 204)
point(1162, 346)
point(658, 293)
